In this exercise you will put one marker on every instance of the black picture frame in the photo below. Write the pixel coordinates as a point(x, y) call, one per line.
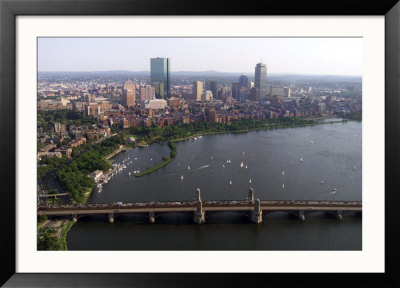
point(10, 9)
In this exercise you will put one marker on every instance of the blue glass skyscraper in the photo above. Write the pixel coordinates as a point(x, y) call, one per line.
point(159, 76)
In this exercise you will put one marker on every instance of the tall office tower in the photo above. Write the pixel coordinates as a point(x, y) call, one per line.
point(197, 90)
point(244, 81)
point(235, 90)
point(142, 93)
point(150, 92)
point(159, 76)
point(254, 94)
point(128, 98)
point(146, 93)
point(213, 86)
point(261, 79)
point(129, 85)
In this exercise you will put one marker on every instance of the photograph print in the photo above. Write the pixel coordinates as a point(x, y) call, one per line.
point(199, 143)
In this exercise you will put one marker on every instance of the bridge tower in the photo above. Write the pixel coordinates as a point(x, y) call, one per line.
point(198, 215)
point(250, 196)
point(256, 214)
point(197, 195)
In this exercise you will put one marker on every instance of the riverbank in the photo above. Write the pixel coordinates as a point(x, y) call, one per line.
point(63, 237)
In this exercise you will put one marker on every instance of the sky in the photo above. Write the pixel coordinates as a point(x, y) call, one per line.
point(311, 56)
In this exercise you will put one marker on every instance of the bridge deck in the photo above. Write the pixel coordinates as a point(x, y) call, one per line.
point(229, 205)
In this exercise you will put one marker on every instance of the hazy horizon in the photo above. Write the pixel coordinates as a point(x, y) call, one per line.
point(203, 71)
point(293, 56)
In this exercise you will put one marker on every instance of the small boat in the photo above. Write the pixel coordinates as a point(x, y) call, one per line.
point(283, 173)
point(312, 142)
point(243, 153)
point(283, 185)
point(241, 165)
point(322, 181)
point(249, 181)
point(129, 173)
point(230, 182)
point(181, 177)
point(301, 159)
point(188, 167)
point(223, 166)
point(135, 158)
point(151, 159)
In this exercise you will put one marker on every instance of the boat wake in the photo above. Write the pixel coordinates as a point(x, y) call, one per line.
point(202, 167)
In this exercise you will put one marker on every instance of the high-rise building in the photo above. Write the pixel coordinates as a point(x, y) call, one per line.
point(128, 98)
point(213, 87)
point(244, 81)
point(129, 85)
point(159, 76)
point(207, 96)
point(235, 90)
point(197, 90)
point(261, 79)
point(146, 93)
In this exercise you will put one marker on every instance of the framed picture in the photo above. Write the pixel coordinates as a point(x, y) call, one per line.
point(299, 178)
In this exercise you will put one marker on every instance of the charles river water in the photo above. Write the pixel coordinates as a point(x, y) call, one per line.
point(330, 153)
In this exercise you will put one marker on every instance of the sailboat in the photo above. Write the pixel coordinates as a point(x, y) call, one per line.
point(230, 182)
point(322, 181)
point(181, 177)
point(246, 166)
point(283, 173)
point(301, 159)
point(241, 165)
point(188, 167)
point(250, 181)
point(129, 173)
point(283, 185)
point(223, 166)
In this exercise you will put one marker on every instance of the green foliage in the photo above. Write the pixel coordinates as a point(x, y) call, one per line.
point(47, 241)
point(42, 218)
point(176, 132)
point(49, 164)
point(46, 119)
point(73, 177)
point(357, 116)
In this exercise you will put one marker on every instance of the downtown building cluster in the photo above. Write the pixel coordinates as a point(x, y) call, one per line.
point(162, 100)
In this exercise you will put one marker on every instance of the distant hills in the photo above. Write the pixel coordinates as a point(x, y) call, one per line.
point(210, 74)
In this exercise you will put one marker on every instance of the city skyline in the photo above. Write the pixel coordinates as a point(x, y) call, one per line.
point(307, 56)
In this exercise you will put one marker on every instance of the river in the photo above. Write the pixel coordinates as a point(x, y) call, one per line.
point(306, 163)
